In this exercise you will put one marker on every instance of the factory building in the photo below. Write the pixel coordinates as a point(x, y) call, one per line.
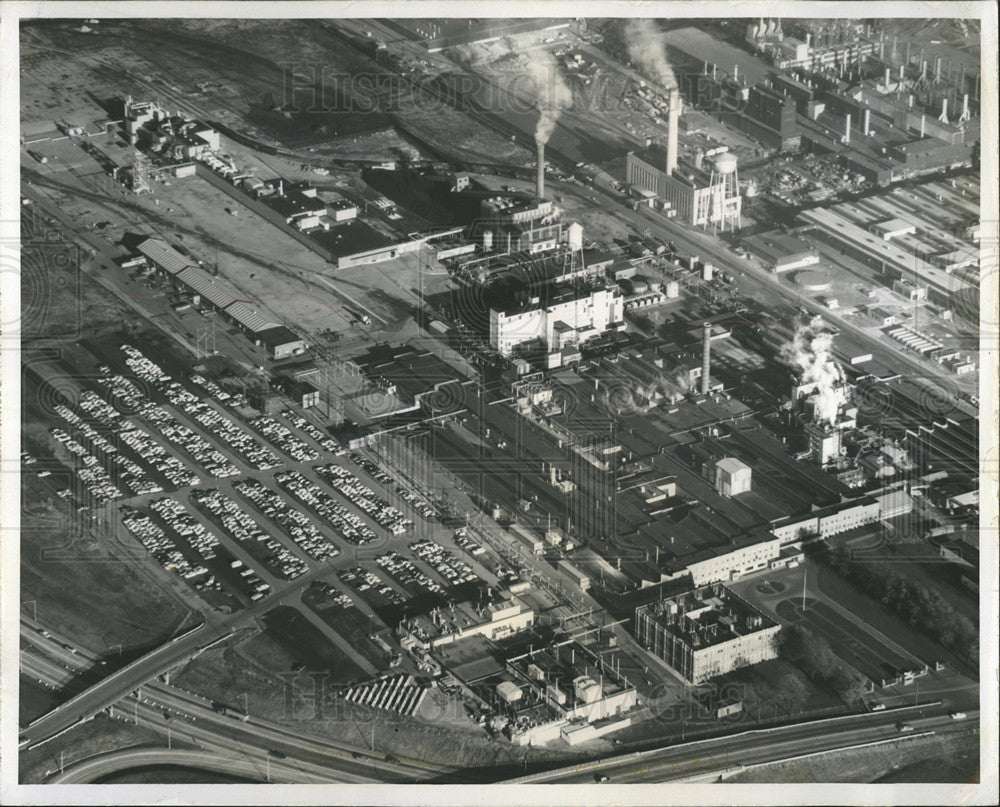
point(782, 252)
point(498, 619)
point(770, 117)
point(517, 225)
point(733, 565)
point(702, 193)
point(706, 633)
point(828, 521)
point(559, 317)
point(207, 289)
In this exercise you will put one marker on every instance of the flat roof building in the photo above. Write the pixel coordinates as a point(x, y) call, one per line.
point(706, 633)
point(782, 252)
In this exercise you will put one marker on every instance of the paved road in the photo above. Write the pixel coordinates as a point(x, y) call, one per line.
point(758, 747)
point(263, 768)
point(191, 718)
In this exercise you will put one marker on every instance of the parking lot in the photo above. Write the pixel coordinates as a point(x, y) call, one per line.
point(198, 477)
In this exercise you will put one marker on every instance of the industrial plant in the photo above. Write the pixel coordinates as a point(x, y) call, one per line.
point(555, 400)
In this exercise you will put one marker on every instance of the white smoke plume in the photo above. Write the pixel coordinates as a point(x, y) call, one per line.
point(552, 93)
point(809, 353)
point(646, 49)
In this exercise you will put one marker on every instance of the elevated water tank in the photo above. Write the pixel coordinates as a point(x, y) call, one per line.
point(725, 163)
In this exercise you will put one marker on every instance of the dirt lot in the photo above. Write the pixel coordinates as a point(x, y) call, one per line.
point(82, 587)
point(238, 70)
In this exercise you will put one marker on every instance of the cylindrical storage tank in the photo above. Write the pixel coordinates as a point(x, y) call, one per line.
point(707, 271)
point(725, 163)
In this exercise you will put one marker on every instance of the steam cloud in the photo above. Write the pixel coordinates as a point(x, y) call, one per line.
point(645, 48)
point(809, 353)
point(554, 95)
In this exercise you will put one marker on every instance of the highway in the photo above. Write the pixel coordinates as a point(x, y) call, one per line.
point(189, 718)
point(752, 748)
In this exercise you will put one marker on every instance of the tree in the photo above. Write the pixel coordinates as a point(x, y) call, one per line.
point(792, 691)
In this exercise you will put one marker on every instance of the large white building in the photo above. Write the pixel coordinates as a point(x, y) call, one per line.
point(706, 633)
point(699, 194)
point(559, 318)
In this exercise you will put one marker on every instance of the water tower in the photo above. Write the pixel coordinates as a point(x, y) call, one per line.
point(725, 186)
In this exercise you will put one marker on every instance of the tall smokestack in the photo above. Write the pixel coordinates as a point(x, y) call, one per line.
point(672, 115)
point(847, 128)
point(923, 125)
point(540, 169)
point(888, 77)
point(937, 69)
point(867, 120)
point(706, 358)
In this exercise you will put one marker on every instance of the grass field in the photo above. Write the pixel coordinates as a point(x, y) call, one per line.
point(349, 623)
point(875, 615)
point(305, 645)
point(849, 642)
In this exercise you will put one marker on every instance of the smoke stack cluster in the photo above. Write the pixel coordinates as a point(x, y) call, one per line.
point(706, 358)
point(540, 169)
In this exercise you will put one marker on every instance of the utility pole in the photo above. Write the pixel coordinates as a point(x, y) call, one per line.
point(805, 574)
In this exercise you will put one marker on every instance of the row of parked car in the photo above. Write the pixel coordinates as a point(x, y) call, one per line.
point(304, 426)
point(335, 596)
point(208, 458)
point(99, 409)
point(164, 550)
point(142, 443)
point(403, 570)
point(347, 524)
point(280, 435)
point(296, 523)
point(126, 394)
point(364, 580)
point(444, 562)
point(95, 479)
point(210, 387)
point(176, 516)
point(242, 528)
point(256, 455)
point(364, 498)
point(470, 546)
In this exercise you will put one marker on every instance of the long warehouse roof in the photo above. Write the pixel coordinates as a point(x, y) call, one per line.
point(164, 256)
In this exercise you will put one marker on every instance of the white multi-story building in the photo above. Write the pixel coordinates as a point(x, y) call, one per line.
point(706, 633)
point(560, 318)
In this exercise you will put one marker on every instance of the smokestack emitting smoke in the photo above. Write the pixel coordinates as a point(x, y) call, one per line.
point(645, 48)
point(809, 353)
point(552, 92)
point(672, 115)
point(706, 358)
point(540, 169)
